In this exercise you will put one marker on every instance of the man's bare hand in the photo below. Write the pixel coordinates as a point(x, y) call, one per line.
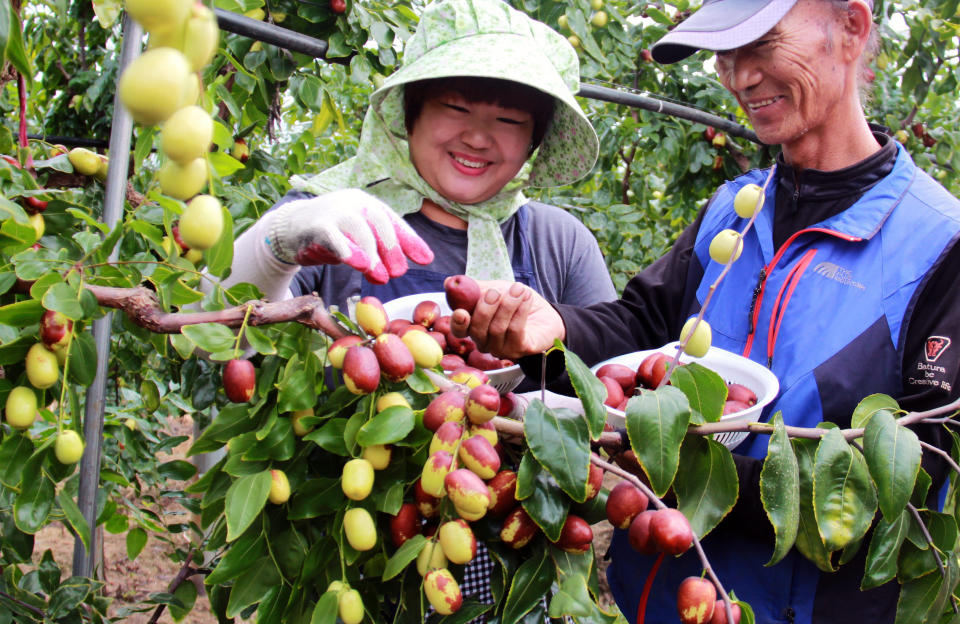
point(510, 321)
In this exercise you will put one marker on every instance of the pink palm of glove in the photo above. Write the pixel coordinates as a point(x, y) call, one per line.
point(349, 227)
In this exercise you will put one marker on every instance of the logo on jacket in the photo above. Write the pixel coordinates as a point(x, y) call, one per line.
point(935, 347)
point(837, 273)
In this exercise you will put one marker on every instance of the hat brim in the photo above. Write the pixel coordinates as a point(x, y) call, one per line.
point(570, 146)
point(720, 25)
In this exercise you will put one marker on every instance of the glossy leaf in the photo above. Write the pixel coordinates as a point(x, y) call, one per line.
point(560, 440)
point(404, 556)
point(537, 490)
point(657, 423)
point(316, 497)
point(136, 540)
point(210, 337)
point(74, 517)
point(706, 484)
point(255, 582)
point(870, 404)
point(590, 390)
point(389, 426)
point(245, 498)
point(780, 490)
point(808, 541)
point(244, 552)
point(530, 584)
point(844, 495)
point(705, 389)
point(326, 610)
point(893, 455)
point(884, 550)
point(35, 501)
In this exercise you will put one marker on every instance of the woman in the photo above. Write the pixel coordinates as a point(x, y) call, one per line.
point(449, 142)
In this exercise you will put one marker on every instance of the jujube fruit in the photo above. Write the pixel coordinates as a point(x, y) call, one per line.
point(239, 380)
point(155, 85)
point(622, 374)
point(337, 350)
point(652, 369)
point(350, 607)
point(84, 161)
point(467, 492)
point(732, 407)
point(68, 447)
point(446, 438)
point(594, 479)
point(42, 367)
point(458, 541)
point(479, 456)
point(200, 36)
point(518, 528)
point(396, 361)
point(371, 317)
point(639, 536)
point(431, 558)
point(745, 201)
point(441, 588)
point(483, 403)
point(699, 342)
point(449, 405)
point(158, 14)
point(361, 370)
point(405, 524)
point(696, 598)
point(739, 392)
point(576, 536)
point(726, 244)
point(378, 455)
point(183, 181)
point(624, 503)
point(187, 134)
point(426, 351)
point(462, 292)
point(614, 390)
point(426, 313)
point(671, 531)
point(359, 528)
point(503, 493)
point(391, 399)
point(720, 613)
point(55, 329)
point(202, 222)
point(357, 479)
point(469, 376)
point(279, 487)
point(20, 409)
point(435, 471)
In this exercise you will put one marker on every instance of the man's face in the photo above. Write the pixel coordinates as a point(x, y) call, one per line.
point(791, 82)
point(467, 151)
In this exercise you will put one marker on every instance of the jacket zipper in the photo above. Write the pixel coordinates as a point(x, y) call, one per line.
point(783, 299)
point(767, 270)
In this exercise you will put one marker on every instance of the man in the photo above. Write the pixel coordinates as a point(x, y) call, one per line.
point(845, 287)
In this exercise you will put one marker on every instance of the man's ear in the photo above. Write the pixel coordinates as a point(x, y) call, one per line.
point(858, 23)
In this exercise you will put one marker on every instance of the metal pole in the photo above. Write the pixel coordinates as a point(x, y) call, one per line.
point(275, 35)
point(655, 105)
point(116, 187)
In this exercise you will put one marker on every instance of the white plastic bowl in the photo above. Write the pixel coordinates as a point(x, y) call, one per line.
point(503, 379)
point(731, 367)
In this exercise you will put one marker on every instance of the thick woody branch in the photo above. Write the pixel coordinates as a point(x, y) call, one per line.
point(143, 308)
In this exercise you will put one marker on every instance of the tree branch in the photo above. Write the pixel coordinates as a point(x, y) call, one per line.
point(185, 572)
point(143, 308)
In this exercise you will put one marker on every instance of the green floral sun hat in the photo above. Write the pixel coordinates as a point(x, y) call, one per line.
point(471, 38)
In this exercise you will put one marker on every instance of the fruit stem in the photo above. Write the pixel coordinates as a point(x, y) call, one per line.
point(63, 382)
point(713, 287)
point(243, 326)
point(642, 607)
point(24, 143)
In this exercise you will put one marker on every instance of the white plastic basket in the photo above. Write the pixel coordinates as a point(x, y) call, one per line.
point(503, 379)
point(731, 367)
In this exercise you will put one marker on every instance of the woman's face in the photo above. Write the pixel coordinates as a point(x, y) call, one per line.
point(467, 151)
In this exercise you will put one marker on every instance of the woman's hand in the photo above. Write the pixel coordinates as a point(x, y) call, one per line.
point(510, 321)
point(347, 226)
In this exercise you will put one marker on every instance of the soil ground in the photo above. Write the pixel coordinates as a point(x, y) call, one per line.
point(130, 583)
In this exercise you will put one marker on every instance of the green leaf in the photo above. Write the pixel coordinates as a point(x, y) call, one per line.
point(63, 298)
point(539, 497)
point(916, 597)
point(178, 470)
point(573, 599)
point(136, 540)
point(238, 559)
point(843, 495)
point(560, 440)
point(232, 421)
point(256, 581)
point(259, 341)
point(22, 313)
point(404, 555)
point(245, 498)
point(530, 584)
point(884, 549)
point(316, 497)
point(15, 450)
point(278, 444)
point(75, 517)
point(893, 455)
point(705, 390)
point(220, 256)
point(83, 358)
point(389, 426)
point(866, 408)
point(68, 596)
point(329, 437)
point(186, 593)
point(706, 483)
point(37, 494)
point(16, 53)
point(225, 165)
point(656, 424)
point(326, 610)
point(809, 542)
point(210, 337)
point(780, 490)
point(590, 390)
point(420, 383)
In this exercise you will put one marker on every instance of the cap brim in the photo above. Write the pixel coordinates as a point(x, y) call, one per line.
point(720, 25)
point(569, 148)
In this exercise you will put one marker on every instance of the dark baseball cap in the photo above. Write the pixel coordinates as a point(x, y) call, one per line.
point(721, 25)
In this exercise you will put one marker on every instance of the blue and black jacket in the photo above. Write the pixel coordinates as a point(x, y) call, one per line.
point(842, 308)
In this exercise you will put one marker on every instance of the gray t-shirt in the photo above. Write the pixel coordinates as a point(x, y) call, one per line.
point(566, 260)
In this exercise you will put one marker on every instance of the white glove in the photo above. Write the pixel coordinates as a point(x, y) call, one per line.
point(347, 226)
